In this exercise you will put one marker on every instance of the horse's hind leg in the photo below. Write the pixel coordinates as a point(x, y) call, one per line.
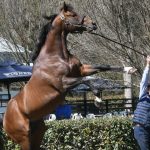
point(25, 143)
point(38, 129)
point(20, 134)
point(16, 125)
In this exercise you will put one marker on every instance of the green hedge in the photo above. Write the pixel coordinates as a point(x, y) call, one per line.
point(87, 134)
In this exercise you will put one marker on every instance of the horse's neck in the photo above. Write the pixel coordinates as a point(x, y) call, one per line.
point(56, 44)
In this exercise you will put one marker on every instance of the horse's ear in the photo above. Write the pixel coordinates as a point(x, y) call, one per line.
point(65, 7)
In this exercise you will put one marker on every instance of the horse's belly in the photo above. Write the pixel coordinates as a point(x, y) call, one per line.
point(38, 105)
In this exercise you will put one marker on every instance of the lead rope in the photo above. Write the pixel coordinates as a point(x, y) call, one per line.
point(62, 17)
point(143, 54)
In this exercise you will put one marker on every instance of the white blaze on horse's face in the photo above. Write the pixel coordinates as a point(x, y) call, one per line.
point(89, 24)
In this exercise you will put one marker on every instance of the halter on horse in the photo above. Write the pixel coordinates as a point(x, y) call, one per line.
point(54, 71)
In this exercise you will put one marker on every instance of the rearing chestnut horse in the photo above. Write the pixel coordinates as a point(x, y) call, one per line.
point(54, 71)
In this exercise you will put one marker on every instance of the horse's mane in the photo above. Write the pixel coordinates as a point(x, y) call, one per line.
point(44, 31)
point(43, 34)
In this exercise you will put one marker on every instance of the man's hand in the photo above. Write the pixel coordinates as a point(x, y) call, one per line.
point(130, 70)
point(148, 60)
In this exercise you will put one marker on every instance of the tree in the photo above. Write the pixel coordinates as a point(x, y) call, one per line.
point(124, 21)
point(21, 21)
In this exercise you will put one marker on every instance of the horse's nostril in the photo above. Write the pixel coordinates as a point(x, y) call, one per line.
point(94, 26)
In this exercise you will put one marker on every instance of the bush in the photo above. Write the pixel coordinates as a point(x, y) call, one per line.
point(87, 134)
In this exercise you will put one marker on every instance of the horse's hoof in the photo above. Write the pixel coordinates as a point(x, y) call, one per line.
point(97, 101)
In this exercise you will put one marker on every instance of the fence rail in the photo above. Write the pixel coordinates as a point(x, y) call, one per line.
point(106, 106)
point(87, 105)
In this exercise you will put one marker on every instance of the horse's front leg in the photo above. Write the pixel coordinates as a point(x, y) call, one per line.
point(70, 82)
point(92, 69)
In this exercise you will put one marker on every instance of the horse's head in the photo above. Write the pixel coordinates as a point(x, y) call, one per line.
point(68, 21)
point(72, 22)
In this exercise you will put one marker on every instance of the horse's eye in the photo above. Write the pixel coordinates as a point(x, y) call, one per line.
point(74, 15)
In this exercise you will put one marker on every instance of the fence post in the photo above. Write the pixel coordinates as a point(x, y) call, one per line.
point(107, 109)
point(85, 104)
point(128, 91)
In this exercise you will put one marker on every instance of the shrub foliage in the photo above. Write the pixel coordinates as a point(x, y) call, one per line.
point(87, 134)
